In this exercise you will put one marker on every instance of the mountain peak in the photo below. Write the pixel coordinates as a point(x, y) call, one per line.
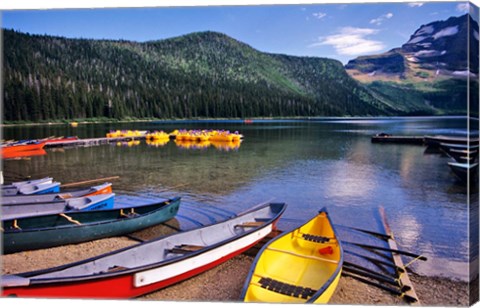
point(437, 49)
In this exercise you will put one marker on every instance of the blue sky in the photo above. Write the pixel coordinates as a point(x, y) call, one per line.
point(339, 31)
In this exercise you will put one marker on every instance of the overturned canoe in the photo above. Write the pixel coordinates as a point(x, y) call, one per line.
point(18, 211)
point(150, 265)
point(300, 266)
point(31, 189)
point(105, 188)
point(12, 189)
point(75, 227)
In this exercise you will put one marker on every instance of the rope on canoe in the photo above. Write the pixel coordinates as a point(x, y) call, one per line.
point(420, 257)
point(70, 219)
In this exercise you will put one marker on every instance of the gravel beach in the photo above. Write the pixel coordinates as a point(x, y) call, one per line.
point(224, 282)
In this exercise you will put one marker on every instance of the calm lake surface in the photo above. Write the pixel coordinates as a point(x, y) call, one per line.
point(307, 164)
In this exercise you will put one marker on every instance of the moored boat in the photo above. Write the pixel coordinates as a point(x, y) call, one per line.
point(35, 187)
point(80, 226)
point(300, 266)
point(465, 172)
point(30, 145)
point(18, 211)
point(151, 265)
point(461, 153)
point(435, 141)
point(105, 188)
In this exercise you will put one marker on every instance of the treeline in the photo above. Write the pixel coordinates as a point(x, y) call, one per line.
point(199, 75)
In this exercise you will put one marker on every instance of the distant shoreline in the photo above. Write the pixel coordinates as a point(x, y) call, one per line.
point(319, 118)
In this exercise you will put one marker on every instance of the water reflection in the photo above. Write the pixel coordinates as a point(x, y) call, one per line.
point(307, 164)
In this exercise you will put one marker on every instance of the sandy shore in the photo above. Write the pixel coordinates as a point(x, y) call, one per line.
point(224, 283)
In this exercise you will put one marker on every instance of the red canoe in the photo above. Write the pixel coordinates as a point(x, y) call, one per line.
point(151, 265)
point(21, 147)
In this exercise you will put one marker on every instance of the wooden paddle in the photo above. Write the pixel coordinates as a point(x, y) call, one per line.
point(90, 181)
point(401, 252)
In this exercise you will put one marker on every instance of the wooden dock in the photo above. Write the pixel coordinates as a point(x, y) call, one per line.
point(87, 142)
point(419, 140)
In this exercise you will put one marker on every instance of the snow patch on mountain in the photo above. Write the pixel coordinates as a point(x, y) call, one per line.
point(417, 39)
point(449, 31)
point(425, 30)
point(429, 53)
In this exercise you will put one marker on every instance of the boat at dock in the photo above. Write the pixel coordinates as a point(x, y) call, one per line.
point(435, 141)
point(105, 188)
point(32, 187)
point(467, 173)
point(300, 266)
point(71, 227)
point(150, 265)
point(19, 211)
point(10, 149)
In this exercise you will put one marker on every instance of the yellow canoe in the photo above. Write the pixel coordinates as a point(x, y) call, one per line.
point(300, 266)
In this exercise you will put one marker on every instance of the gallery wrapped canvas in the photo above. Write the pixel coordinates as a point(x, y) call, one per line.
point(318, 152)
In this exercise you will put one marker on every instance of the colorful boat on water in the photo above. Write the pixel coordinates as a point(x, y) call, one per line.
point(105, 188)
point(205, 135)
point(300, 266)
point(151, 265)
point(16, 147)
point(50, 230)
point(24, 154)
point(157, 135)
point(126, 133)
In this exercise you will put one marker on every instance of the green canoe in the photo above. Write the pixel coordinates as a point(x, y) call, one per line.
point(75, 227)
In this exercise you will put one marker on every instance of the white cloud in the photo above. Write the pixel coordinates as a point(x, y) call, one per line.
point(351, 41)
point(415, 4)
point(319, 15)
point(378, 21)
point(463, 7)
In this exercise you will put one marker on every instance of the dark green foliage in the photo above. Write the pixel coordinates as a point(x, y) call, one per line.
point(198, 75)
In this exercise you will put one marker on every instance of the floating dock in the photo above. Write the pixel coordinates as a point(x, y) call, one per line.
point(91, 142)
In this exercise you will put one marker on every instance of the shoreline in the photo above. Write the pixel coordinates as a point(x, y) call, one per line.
point(313, 118)
point(224, 282)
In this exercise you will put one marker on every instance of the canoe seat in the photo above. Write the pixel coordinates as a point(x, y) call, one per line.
point(315, 238)
point(250, 224)
point(184, 248)
point(63, 196)
point(116, 268)
point(285, 288)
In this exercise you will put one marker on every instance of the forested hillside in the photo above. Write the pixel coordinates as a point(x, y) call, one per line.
point(203, 74)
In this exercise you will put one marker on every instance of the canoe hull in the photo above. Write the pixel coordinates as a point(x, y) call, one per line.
point(43, 198)
point(300, 266)
point(115, 287)
point(119, 274)
point(94, 225)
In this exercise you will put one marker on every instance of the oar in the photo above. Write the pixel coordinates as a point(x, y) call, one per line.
point(89, 181)
point(374, 260)
point(363, 271)
point(402, 252)
point(381, 286)
point(377, 234)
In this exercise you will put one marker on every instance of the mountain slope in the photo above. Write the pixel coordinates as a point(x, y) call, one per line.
point(428, 74)
point(203, 74)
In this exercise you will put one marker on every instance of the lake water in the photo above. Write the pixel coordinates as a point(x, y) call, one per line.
point(307, 164)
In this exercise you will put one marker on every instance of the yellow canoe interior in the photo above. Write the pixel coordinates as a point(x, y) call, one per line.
point(300, 266)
